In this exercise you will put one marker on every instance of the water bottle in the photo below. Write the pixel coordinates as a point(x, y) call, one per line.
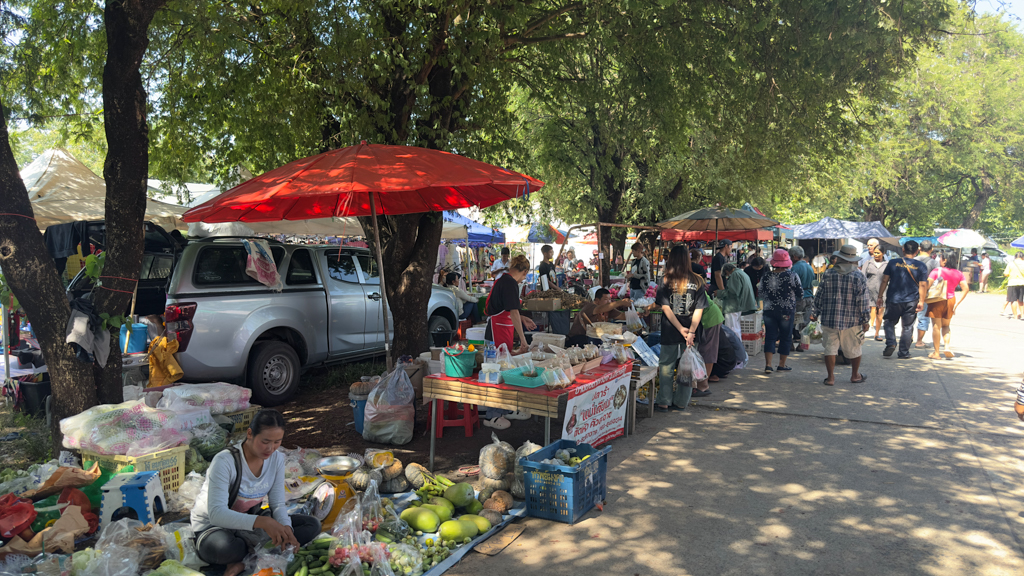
point(490, 352)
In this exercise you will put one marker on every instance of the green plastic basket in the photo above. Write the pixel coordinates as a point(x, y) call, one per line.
point(459, 364)
point(515, 378)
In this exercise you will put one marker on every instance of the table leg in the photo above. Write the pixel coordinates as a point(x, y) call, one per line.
point(433, 432)
point(631, 412)
point(650, 398)
point(547, 430)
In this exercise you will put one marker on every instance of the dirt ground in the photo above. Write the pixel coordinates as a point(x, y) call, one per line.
point(323, 420)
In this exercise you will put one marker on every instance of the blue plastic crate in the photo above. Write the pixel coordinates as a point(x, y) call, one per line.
point(565, 493)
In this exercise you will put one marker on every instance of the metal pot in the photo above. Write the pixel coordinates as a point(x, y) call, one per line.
point(336, 466)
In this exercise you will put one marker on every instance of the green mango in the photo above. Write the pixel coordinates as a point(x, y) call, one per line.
point(438, 501)
point(458, 530)
point(460, 494)
point(421, 519)
point(442, 512)
point(474, 506)
point(482, 524)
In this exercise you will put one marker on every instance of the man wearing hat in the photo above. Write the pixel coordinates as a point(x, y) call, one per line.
point(719, 262)
point(842, 307)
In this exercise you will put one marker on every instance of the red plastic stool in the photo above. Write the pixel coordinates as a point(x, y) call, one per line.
point(448, 416)
point(464, 325)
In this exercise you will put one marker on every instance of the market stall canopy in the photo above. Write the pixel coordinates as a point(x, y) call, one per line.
point(962, 238)
point(476, 233)
point(933, 239)
point(64, 190)
point(535, 234)
point(1018, 243)
point(720, 219)
point(832, 229)
point(780, 232)
point(759, 235)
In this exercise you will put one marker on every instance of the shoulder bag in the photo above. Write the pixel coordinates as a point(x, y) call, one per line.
point(937, 290)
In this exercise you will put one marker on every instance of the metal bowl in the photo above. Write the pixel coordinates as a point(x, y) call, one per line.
point(336, 465)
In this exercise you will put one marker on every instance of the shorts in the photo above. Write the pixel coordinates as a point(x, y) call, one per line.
point(850, 340)
point(1015, 294)
point(942, 309)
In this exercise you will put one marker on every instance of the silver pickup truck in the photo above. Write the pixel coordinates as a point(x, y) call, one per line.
point(231, 328)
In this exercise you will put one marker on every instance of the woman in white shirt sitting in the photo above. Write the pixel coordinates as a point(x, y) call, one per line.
point(226, 516)
point(469, 303)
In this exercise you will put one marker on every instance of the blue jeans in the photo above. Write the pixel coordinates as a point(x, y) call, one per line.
point(778, 325)
point(906, 314)
point(923, 321)
point(469, 311)
point(638, 293)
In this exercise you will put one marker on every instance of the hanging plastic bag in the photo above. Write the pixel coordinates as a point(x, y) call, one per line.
point(390, 416)
point(691, 368)
point(260, 264)
point(813, 331)
point(633, 322)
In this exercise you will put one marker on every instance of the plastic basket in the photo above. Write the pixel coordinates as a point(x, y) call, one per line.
point(754, 346)
point(458, 365)
point(751, 324)
point(242, 418)
point(565, 493)
point(515, 377)
point(169, 463)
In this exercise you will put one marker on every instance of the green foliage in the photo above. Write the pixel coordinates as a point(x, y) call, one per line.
point(93, 271)
point(7, 297)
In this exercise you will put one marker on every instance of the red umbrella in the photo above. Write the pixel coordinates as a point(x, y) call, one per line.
point(366, 180)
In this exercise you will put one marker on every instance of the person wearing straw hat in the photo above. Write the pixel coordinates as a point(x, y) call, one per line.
point(843, 308)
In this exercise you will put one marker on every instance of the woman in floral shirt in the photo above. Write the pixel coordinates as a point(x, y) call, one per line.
point(780, 290)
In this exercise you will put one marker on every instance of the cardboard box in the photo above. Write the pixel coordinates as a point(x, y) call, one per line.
point(544, 304)
point(416, 370)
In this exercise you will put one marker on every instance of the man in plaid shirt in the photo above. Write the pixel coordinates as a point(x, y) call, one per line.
point(842, 308)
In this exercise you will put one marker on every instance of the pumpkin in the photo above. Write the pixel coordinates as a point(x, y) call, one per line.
point(414, 473)
point(395, 485)
point(497, 459)
point(360, 479)
point(485, 493)
point(502, 484)
point(392, 470)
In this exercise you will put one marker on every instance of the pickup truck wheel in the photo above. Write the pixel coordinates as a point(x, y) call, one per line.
point(273, 373)
point(439, 324)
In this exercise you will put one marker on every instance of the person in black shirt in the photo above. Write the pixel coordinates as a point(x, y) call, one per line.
point(503, 324)
point(755, 271)
point(695, 265)
point(720, 259)
point(546, 268)
point(682, 298)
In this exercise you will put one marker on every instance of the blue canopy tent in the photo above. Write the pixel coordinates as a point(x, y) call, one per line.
point(476, 233)
point(1018, 243)
point(933, 239)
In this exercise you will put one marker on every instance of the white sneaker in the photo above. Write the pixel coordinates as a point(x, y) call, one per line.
point(498, 423)
point(519, 415)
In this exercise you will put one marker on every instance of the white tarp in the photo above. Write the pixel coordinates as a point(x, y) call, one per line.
point(62, 190)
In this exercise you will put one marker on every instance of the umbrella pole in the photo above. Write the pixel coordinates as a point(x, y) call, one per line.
point(383, 289)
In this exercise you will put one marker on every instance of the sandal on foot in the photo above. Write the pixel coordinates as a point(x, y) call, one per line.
point(863, 377)
point(827, 383)
point(948, 354)
point(935, 356)
point(662, 408)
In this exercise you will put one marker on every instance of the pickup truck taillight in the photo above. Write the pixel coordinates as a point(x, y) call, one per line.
point(178, 320)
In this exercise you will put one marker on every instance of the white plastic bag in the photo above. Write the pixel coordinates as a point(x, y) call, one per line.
point(691, 367)
point(390, 415)
point(633, 322)
point(505, 359)
point(181, 544)
point(160, 440)
point(114, 560)
point(518, 485)
point(219, 397)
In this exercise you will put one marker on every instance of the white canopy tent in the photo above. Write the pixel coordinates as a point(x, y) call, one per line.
point(63, 190)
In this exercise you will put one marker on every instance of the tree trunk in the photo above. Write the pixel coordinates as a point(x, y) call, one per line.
point(126, 167)
point(982, 194)
point(33, 278)
point(410, 254)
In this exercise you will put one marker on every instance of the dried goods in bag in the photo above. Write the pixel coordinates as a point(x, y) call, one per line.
point(390, 416)
point(497, 459)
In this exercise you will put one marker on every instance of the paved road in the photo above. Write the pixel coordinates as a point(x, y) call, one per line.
point(919, 470)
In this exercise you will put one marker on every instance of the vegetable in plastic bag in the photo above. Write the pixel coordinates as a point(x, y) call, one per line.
point(194, 461)
point(147, 540)
point(813, 331)
point(187, 493)
point(372, 510)
point(381, 566)
point(518, 482)
point(263, 562)
point(405, 560)
point(181, 544)
point(633, 322)
point(209, 439)
point(393, 527)
point(390, 415)
point(114, 560)
point(504, 358)
point(497, 459)
point(174, 568)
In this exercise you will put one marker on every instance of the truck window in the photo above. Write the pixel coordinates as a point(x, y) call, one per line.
point(368, 264)
point(226, 265)
point(342, 267)
point(156, 266)
point(300, 270)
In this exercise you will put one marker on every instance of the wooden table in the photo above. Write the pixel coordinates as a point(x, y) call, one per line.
point(539, 401)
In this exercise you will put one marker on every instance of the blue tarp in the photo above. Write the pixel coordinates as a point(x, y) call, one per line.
point(477, 233)
point(933, 239)
point(544, 234)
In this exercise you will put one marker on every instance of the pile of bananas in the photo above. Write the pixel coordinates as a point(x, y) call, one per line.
point(433, 486)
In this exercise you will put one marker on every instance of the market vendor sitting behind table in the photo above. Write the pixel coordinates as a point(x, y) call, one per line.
point(503, 324)
point(227, 528)
point(602, 309)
